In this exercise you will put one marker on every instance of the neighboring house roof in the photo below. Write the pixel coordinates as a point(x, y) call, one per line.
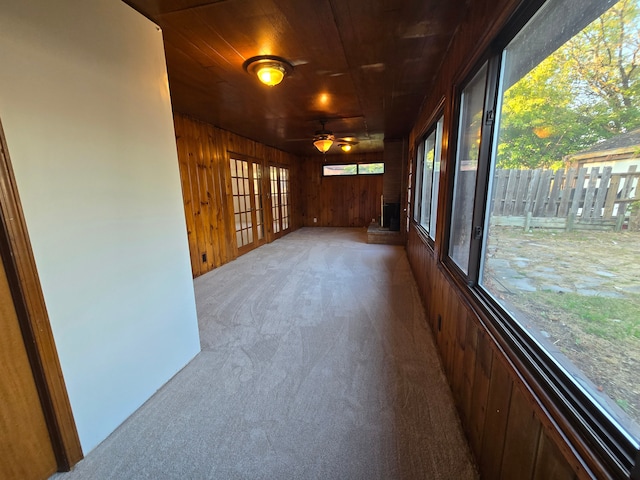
point(620, 144)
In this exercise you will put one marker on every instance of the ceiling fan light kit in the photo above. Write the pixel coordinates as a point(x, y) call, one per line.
point(323, 139)
point(269, 69)
point(323, 144)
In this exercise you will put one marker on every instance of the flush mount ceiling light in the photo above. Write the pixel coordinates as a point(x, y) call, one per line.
point(323, 139)
point(269, 69)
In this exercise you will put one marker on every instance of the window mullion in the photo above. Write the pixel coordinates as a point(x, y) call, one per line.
point(484, 164)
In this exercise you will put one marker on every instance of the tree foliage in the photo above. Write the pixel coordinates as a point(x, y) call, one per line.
point(586, 91)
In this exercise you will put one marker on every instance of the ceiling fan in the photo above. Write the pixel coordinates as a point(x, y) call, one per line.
point(324, 139)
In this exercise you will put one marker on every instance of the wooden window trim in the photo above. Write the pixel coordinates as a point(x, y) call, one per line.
point(35, 325)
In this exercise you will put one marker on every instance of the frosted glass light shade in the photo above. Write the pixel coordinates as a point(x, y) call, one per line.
point(270, 74)
point(269, 69)
point(323, 144)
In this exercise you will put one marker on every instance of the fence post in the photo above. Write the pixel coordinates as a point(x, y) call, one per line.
point(634, 218)
point(527, 221)
point(622, 213)
point(571, 220)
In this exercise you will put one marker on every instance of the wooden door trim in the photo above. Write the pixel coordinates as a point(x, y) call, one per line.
point(34, 320)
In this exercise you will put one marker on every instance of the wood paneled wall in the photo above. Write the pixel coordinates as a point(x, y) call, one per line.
point(507, 431)
point(203, 155)
point(394, 181)
point(510, 431)
point(349, 201)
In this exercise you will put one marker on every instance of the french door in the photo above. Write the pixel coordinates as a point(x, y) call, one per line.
point(248, 211)
point(280, 201)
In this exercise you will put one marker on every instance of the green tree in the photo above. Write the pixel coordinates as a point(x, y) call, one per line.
point(603, 66)
point(586, 91)
point(538, 124)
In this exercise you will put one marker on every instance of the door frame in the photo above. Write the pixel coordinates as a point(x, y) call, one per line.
point(24, 282)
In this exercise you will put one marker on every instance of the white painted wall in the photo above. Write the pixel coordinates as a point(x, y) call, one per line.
point(85, 106)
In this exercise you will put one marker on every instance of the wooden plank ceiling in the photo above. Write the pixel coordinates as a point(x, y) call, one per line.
point(363, 65)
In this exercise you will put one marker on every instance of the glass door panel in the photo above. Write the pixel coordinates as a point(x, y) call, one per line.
point(284, 197)
point(275, 198)
point(247, 203)
point(280, 201)
point(257, 196)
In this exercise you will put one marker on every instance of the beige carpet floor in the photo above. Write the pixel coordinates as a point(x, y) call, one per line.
point(316, 363)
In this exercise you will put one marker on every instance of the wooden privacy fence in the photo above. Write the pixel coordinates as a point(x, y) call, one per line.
point(578, 199)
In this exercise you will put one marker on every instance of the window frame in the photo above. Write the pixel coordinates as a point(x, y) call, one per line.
point(370, 173)
point(417, 183)
point(436, 129)
point(356, 173)
point(416, 165)
point(477, 220)
point(329, 165)
point(581, 421)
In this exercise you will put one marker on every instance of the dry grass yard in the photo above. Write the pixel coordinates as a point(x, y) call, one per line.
point(578, 293)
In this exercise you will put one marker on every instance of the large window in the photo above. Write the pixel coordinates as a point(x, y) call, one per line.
point(545, 215)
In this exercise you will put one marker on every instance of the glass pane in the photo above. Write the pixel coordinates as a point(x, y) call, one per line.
point(559, 256)
point(468, 148)
point(436, 179)
point(427, 179)
point(370, 168)
point(334, 170)
point(409, 193)
point(419, 172)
